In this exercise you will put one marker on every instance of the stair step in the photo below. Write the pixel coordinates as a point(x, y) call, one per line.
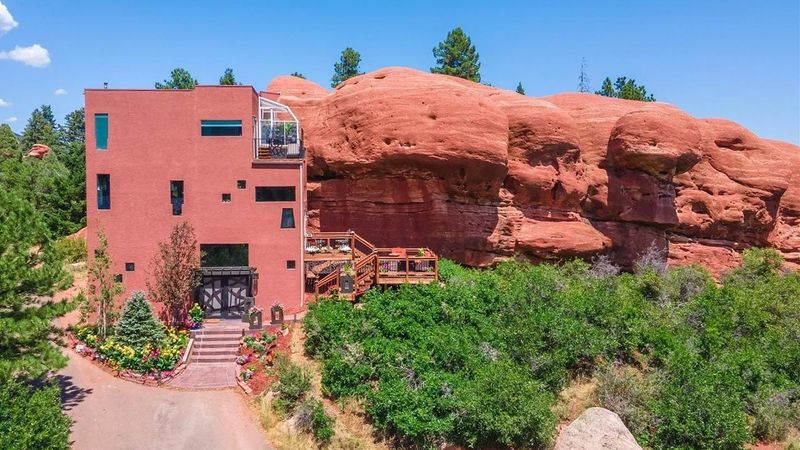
point(200, 344)
point(214, 351)
point(218, 338)
point(204, 331)
point(213, 359)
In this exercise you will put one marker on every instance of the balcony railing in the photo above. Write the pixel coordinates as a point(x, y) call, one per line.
point(265, 148)
point(277, 133)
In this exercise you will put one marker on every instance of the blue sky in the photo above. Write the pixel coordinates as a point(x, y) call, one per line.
point(734, 59)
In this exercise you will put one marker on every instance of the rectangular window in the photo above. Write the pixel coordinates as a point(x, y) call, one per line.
point(226, 198)
point(287, 218)
point(220, 128)
point(176, 196)
point(130, 267)
point(224, 255)
point(241, 184)
point(290, 264)
point(101, 131)
point(103, 191)
point(275, 193)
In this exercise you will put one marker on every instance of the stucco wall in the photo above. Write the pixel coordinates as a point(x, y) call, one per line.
point(154, 137)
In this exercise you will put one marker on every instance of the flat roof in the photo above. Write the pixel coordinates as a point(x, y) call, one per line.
point(235, 86)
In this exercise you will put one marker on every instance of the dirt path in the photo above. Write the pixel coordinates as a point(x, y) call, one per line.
point(110, 413)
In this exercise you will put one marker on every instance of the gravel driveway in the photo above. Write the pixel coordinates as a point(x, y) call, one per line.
point(110, 413)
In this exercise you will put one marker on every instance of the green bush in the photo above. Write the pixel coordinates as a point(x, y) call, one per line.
point(31, 418)
point(293, 383)
point(72, 249)
point(479, 359)
point(137, 324)
point(311, 417)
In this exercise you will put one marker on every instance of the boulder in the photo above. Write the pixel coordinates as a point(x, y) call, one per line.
point(596, 429)
point(39, 151)
point(481, 174)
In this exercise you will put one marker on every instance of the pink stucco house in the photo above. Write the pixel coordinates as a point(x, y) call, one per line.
point(227, 159)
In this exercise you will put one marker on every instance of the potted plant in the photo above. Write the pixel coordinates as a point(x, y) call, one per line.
point(276, 313)
point(255, 316)
point(420, 251)
point(196, 315)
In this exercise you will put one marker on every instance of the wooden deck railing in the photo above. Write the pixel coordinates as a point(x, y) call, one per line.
point(372, 265)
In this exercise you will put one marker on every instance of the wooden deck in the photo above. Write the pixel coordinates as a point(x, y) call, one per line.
point(331, 255)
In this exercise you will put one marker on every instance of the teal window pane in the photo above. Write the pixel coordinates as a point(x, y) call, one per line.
point(220, 128)
point(101, 131)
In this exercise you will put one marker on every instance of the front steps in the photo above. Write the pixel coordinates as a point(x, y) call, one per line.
point(215, 345)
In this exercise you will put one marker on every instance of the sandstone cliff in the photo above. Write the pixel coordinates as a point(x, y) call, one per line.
point(479, 174)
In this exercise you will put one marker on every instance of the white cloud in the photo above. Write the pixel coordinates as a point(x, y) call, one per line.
point(35, 55)
point(7, 22)
point(4, 104)
point(60, 91)
point(11, 119)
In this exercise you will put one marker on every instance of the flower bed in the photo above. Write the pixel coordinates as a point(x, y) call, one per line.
point(156, 363)
point(257, 353)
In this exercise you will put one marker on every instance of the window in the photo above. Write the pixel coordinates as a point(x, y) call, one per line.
point(103, 191)
point(275, 193)
point(130, 267)
point(101, 131)
point(220, 128)
point(241, 184)
point(118, 278)
point(287, 218)
point(224, 255)
point(226, 198)
point(176, 196)
point(290, 264)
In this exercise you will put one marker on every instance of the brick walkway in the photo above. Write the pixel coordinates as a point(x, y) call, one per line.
point(206, 376)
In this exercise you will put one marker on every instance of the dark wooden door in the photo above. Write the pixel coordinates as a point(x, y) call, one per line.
point(224, 293)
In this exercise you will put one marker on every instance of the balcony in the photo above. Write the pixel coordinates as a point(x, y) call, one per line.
point(328, 255)
point(277, 133)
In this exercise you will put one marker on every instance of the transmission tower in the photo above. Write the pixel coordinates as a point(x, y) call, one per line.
point(583, 78)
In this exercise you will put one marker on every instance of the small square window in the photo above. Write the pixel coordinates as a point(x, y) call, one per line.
point(241, 184)
point(118, 278)
point(130, 267)
point(226, 198)
point(290, 264)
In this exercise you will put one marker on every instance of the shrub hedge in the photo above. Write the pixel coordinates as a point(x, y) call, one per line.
point(478, 359)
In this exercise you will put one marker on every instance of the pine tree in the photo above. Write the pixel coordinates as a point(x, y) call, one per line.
point(74, 129)
point(103, 288)
point(180, 78)
point(9, 145)
point(520, 89)
point(457, 56)
point(583, 78)
point(137, 324)
point(40, 129)
point(347, 67)
point(228, 79)
point(625, 88)
point(607, 90)
point(174, 273)
point(30, 271)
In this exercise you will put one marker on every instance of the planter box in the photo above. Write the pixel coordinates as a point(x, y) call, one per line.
point(256, 320)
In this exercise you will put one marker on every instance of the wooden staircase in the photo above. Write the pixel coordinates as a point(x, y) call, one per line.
point(367, 264)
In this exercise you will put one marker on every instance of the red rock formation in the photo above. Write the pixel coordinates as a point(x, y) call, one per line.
point(481, 174)
point(39, 151)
